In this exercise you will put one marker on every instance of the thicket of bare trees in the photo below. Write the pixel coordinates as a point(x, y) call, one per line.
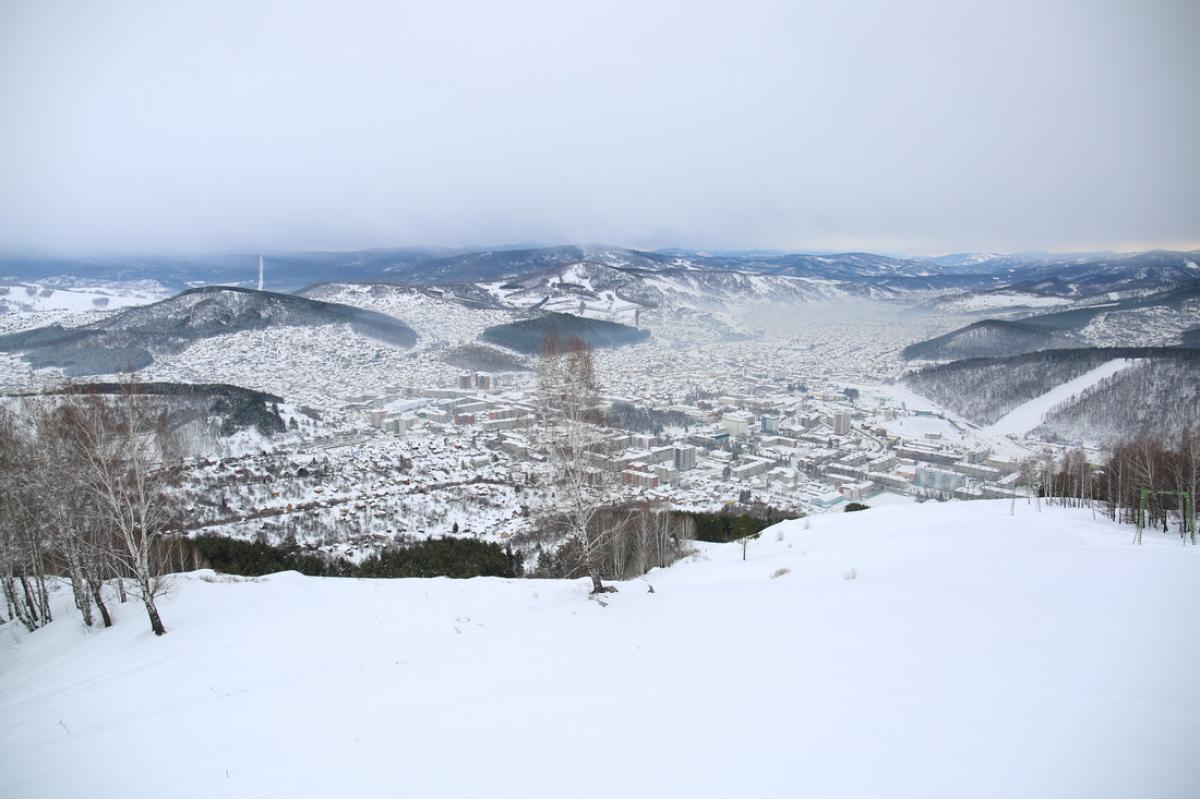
point(84, 498)
point(631, 540)
point(1169, 472)
point(22, 546)
point(644, 537)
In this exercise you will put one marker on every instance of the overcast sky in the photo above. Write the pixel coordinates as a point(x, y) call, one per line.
point(921, 127)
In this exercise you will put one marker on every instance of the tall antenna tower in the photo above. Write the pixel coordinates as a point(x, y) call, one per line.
point(260, 273)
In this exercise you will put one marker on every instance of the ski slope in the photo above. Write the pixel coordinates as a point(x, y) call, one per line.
point(920, 651)
point(1025, 417)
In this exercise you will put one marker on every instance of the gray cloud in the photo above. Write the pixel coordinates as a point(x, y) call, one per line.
point(923, 127)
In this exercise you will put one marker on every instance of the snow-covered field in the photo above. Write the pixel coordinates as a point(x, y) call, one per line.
point(1004, 300)
point(1156, 326)
point(77, 296)
point(934, 651)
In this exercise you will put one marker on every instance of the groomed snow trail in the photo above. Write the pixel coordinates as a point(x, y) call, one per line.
point(921, 651)
point(1025, 417)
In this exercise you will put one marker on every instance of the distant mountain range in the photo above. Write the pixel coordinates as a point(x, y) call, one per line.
point(1037, 301)
point(1076, 275)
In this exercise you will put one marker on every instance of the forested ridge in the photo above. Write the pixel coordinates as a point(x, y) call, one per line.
point(988, 338)
point(527, 335)
point(985, 389)
point(1159, 396)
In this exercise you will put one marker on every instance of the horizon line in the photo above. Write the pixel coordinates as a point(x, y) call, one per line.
point(107, 253)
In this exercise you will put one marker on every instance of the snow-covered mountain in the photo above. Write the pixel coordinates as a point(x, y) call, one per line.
point(1074, 275)
point(618, 293)
point(130, 339)
point(942, 650)
point(594, 285)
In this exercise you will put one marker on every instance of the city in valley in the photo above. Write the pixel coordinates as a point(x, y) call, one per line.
point(775, 386)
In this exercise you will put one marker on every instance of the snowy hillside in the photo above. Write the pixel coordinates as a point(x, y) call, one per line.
point(1028, 415)
point(1116, 319)
point(591, 288)
point(131, 339)
point(1032, 277)
point(1013, 396)
point(989, 338)
point(75, 295)
point(933, 651)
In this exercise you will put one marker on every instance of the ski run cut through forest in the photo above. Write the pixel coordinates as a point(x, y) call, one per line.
point(979, 649)
point(1027, 416)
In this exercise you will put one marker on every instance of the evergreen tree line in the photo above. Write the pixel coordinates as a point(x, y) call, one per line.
point(434, 557)
point(725, 525)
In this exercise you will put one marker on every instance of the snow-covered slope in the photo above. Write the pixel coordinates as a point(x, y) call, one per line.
point(1028, 415)
point(925, 651)
point(995, 301)
point(131, 339)
point(989, 338)
point(615, 290)
point(75, 295)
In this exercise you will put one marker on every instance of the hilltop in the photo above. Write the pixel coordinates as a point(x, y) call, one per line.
point(526, 335)
point(1157, 319)
point(988, 338)
point(922, 651)
point(130, 339)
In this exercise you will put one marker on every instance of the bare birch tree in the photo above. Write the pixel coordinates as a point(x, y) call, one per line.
point(568, 407)
point(125, 455)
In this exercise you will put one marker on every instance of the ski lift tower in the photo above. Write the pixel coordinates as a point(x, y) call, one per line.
point(1189, 517)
